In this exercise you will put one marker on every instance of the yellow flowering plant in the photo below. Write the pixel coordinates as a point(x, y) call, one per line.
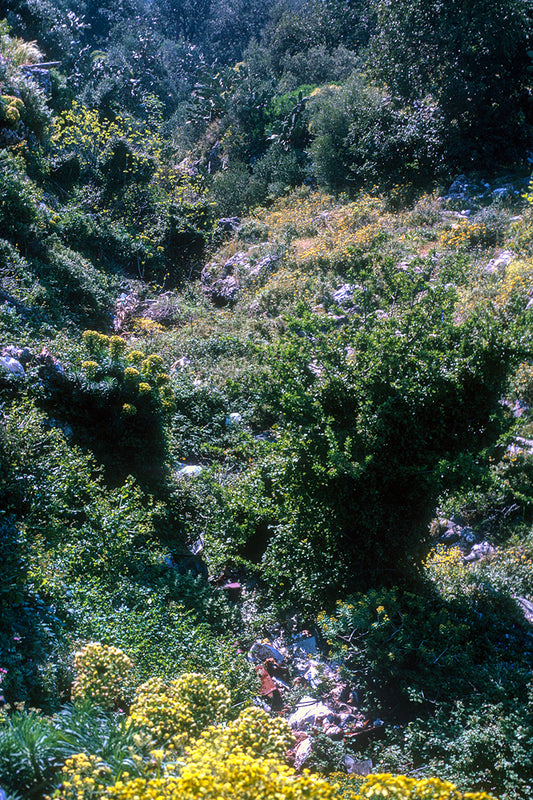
point(102, 674)
point(175, 713)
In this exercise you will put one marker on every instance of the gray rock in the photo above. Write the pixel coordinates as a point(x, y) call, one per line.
point(334, 732)
point(306, 643)
point(459, 186)
point(233, 420)
point(302, 753)
point(238, 260)
point(499, 263)
point(478, 552)
point(354, 767)
point(260, 651)
point(229, 224)
point(262, 266)
point(346, 719)
point(223, 292)
point(189, 471)
point(503, 192)
point(526, 607)
point(24, 354)
point(343, 294)
point(12, 365)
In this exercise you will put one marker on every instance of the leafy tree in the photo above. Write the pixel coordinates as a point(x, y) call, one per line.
point(472, 57)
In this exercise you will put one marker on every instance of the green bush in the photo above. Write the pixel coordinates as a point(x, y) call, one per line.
point(364, 137)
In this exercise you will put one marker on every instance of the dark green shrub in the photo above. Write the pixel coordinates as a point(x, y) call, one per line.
point(454, 52)
point(30, 752)
point(364, 137)
point(18, 197)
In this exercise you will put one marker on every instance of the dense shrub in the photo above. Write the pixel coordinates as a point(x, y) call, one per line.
point(362, 137)
point(102, 674)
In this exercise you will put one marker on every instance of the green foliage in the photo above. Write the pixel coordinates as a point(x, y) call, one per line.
point(18, 197)
point(479, 746)
point(414, 648)
point(448, 50)
point(30, 748)
point(362, 137)
point(367, 440)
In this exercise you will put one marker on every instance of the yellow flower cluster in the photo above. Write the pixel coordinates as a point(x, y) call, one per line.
point(117, 346)
point(102, 673)
point(177, 712)
point(399, 787)
point(89, 368)
point(443, 560)
point(95, 342)
point(516, 283)
point(235, 776)
point(463, 234)
point(149, 367)
point(135, 357)
point(82, 778)
point(253, 733)
point(10, 108)
point(147, 327)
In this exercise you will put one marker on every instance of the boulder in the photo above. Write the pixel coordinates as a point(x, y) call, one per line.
point(223, 292)
point(189, 471)
point(228, 224)
point(22, 354)
point(479, 552)
point(233, 420)
point(260, 651)
point(500, 261)
point(354, 767)
point(302, 753)
point(12, 365)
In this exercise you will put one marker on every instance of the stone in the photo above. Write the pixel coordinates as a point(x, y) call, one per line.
point(223, 292)
point(354, 767)
point(260, 651)
point(479, 552)
point(24, 354)
point(12, 365)
point(459, 186)
point(229, 224)
point(233, 590)
point(316, 368)
point(503, 192)
point(302, 753)
point(233, 420)
point(238, 260)
point(334, 732)
point(451, 536)
point(308, 713)
point(306, 643)
point(526, 607)
point(190, 471)
point(343, 294)
point(262, 266)
point(499, 263)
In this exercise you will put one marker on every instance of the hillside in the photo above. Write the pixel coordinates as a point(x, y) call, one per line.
point(265, 403)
